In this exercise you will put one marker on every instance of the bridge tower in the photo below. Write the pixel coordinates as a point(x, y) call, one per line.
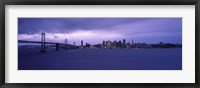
point(43, 47)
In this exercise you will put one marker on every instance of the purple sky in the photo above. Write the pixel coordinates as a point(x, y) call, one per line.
point(95, 30)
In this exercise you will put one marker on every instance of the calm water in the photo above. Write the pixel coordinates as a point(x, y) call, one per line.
point(101, 59)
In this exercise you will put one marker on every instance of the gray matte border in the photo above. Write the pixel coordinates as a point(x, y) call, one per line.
point(99, 2)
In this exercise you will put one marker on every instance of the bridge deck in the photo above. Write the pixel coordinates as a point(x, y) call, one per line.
point(38, 42)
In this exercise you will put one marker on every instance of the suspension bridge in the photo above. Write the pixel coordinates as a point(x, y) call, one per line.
point(44, 43)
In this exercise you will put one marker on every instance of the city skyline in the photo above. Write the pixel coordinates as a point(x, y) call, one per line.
point(96, 30)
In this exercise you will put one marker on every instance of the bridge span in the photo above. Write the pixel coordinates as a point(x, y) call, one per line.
point(43, 44)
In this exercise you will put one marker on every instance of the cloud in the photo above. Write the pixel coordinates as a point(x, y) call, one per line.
point(88, 36)
point(95, 30)
point(59, 25)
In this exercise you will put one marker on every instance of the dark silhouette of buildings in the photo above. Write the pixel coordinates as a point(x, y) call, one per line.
point(87, 45)
point(119, 44)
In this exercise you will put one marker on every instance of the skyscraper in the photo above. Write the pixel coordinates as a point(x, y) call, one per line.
point(65, 41)
point(66, 47)
point(81, 42)
point(124, 41)
point(132, 42)
point(103, 42)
